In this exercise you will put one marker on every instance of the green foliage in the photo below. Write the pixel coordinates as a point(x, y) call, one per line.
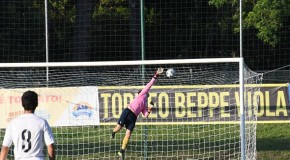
point(62, 10)
point(217, 3)
point(150, 14)
point(266, 16)
point(112, 8)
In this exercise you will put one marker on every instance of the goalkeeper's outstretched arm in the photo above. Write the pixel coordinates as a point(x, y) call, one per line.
point(153, 80)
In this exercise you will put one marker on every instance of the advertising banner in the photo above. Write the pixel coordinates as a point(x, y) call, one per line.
point(288, 93)
point(74, 106)
point(68, 106)
point(199, 103)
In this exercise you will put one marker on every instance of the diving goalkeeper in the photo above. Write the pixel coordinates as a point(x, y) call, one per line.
point(130, 114)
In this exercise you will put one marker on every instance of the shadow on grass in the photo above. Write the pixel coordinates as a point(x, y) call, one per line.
point(273, 144)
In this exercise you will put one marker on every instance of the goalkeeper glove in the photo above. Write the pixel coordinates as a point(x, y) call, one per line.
point(159, 71)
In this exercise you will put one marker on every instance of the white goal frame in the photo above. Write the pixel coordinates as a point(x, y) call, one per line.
point(158, 62)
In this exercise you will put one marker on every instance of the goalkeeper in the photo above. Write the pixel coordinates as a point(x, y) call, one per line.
point(129, 114)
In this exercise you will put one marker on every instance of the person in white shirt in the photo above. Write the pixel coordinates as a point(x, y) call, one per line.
point(29, 133)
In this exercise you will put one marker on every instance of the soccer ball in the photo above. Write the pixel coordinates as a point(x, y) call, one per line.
point(170, 72)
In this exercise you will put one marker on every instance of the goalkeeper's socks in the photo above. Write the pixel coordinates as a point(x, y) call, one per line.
point(113, 135)
point(121, 152)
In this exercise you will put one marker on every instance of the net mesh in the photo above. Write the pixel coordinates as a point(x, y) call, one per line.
point(196, 117)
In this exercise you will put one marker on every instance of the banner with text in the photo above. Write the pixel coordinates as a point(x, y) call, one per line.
point(68, 106)
point(74, 106)
point(199, 103)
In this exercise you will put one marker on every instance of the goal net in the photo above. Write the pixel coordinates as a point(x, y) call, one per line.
point(197, 114)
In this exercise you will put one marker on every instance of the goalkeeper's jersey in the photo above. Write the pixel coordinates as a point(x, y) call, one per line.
point(29, 133)
point(139, 104)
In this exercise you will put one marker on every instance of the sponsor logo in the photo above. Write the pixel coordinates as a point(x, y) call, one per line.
point(82, 109)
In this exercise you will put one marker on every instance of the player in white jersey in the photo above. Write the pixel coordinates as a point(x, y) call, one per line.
point(29, 133)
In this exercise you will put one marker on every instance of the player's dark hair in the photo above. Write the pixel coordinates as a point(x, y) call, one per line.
point(29, 100)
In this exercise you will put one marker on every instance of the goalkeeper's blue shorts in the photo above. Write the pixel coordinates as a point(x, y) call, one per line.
point(128, 118)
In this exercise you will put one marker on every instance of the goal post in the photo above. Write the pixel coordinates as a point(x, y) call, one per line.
point(200, 113)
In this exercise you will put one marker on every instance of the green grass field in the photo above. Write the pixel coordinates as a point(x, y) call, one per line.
point(273, 141)
point(162, 142)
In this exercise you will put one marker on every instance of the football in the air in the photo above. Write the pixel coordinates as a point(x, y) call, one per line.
point(170, 72)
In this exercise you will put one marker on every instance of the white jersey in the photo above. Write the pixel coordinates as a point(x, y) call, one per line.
point(28, 133)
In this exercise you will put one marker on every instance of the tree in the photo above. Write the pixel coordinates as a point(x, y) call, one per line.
point(266, 16)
